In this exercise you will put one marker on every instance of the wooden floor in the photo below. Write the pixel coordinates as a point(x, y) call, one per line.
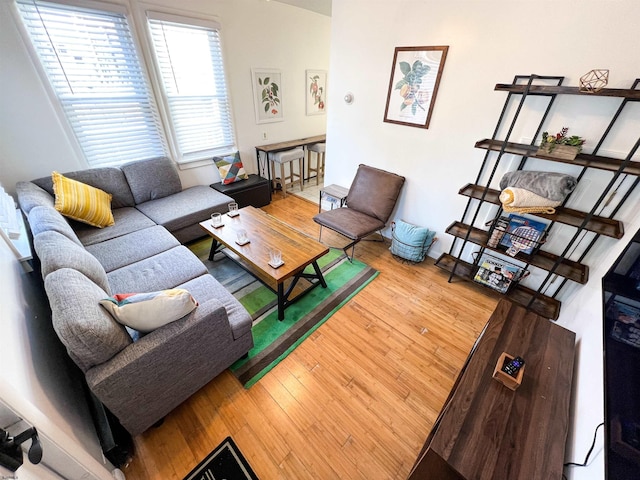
point(355, 400)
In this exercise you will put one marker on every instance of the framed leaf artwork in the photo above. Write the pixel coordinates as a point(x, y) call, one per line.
point(415, 77)
point(267, 94)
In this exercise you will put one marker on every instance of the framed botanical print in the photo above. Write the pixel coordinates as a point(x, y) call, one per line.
point(316, 97)
point(414, 82)
point(267, 94)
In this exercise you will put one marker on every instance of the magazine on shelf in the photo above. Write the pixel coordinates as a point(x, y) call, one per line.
point(496, 273)
point(523, 235)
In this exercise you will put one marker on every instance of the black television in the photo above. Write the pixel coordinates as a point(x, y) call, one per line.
point(621, 300)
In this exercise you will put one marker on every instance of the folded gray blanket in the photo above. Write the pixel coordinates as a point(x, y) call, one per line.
point(551, 185)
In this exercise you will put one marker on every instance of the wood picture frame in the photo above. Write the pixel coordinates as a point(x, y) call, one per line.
point(267, 94)
point(316, 92)
point(413, 85)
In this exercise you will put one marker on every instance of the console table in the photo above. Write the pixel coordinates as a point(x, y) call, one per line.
point(486, 431)
point(279, 147)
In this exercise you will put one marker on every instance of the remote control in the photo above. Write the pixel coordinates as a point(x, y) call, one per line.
point(513, 366)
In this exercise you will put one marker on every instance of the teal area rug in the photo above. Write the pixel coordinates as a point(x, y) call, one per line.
point(275, 339)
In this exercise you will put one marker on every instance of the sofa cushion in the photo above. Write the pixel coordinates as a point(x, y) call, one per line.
point(131, 248)
point(31, 195)
point(205, 287)
point(159, 272)
point(188, 207)
point(108, 179)
point(82, 202)
point(89, 333)
point(42, 219)
point(127, 220)
point(145, 312)
point(152, 179)
point(230, 168)
point(56, 251)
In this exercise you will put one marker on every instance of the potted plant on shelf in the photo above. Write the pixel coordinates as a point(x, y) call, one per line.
point(560, 145)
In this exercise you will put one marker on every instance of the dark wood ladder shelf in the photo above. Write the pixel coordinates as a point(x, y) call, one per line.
point(542, 305)
point(477, 225)
point(575, 271)
point(629, 94)
point(583, 160)
point(600, 225)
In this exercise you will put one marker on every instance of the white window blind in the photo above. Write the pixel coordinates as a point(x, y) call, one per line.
point(189, 60)
point(92, 64)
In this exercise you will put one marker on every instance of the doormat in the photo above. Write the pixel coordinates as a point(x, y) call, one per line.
point(224, 462)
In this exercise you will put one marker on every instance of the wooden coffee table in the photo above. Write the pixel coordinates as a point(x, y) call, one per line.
point(266, 232)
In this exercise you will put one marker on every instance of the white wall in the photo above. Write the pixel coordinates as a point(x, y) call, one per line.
point(255, 33)
point(35, 379)
point(489, 42)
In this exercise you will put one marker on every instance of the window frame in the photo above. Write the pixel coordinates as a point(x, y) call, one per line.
point(136, 17)
point(144, 14)
point(58, 102)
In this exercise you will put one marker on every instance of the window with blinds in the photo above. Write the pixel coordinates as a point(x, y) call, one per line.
point(95, 71)
point(189, 62)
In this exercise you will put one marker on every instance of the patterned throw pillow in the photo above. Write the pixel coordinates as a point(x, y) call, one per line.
point(147, 311)
point(230, 168)
point(82, 202)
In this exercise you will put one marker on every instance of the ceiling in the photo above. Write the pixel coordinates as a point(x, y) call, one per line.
point(319, 6)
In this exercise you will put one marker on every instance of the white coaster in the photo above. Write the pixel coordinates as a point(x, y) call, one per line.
point(276, 265)
point(217, 226)
point(234, 214)
point(243, 243)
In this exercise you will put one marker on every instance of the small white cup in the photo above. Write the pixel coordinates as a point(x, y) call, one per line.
point(275, 256)
point(241, 236)
point(216, 219)
point(233, 209)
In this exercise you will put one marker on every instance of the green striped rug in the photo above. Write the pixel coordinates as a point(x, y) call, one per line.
point(275, 339)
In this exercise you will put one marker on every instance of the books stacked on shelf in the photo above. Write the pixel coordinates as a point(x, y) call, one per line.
point(497, 273)
point(626, 327)
point(523, 235)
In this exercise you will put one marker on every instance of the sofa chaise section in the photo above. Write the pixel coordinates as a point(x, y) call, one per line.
point(139, 377)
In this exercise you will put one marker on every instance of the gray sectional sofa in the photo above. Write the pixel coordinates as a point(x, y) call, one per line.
point(139, 378)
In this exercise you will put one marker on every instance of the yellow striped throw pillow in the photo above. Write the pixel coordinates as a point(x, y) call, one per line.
point(82, 202)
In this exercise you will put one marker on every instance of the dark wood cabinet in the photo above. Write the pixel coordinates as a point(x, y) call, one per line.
point(471, 233)
point(486, 431)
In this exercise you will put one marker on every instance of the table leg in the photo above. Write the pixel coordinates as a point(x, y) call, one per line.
point(215, 248)
point(261, 168)
point(281, 301)
point(319, 274)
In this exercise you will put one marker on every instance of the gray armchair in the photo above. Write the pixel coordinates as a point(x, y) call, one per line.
point(370, 201)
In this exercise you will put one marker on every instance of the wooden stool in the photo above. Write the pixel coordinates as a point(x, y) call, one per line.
point(319, 148)
point(288, 156)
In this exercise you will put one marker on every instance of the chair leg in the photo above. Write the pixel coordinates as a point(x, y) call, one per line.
point(320, 235)
point(273, 176)
point(353, 251)
point(284, 181)
point(381, 239)
point(301, 170)
point(320, 166)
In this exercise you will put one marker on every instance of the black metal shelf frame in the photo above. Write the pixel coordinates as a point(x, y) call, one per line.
point(525, 86)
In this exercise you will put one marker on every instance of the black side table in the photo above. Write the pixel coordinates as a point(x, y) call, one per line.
point(254, 191)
